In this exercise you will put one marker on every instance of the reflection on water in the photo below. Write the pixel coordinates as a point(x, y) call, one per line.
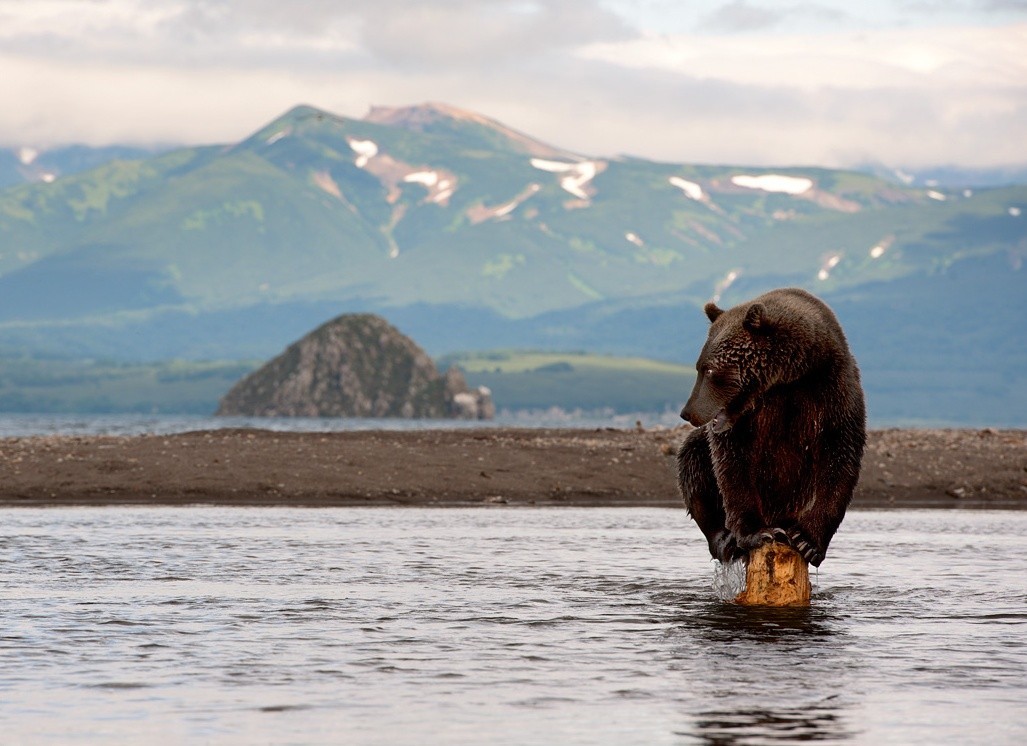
point(781, 675)
point(810, 722)
point(763, 625)
point(186, 625)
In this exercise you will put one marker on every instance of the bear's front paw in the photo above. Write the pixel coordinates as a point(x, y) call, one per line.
point(757, 539)
point(805, 547)
point(724, 548)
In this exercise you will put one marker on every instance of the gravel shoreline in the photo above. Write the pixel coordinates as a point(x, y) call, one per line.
point(902, 468)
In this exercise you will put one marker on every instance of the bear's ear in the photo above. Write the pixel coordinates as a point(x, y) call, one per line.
point(712, 312)
point(756, 320)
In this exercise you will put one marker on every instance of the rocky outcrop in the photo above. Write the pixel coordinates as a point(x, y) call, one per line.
point(357, 365)
point(467, 403)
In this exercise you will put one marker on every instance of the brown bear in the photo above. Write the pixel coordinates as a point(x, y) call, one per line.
point(780, 427)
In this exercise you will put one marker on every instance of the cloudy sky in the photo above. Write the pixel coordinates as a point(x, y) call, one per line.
point(907, 83)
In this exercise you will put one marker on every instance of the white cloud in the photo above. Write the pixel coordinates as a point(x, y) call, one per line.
point(939, 58)
point(570, 72)
point(419, 33)
point(740, 15)
point(912, 97)
point(100, 103)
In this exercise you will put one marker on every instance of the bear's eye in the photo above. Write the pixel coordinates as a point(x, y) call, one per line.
point(709, 372)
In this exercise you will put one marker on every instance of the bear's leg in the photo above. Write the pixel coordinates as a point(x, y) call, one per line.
point(743, 508)
point(702, 497)
point(833, 485)
point(817, 525)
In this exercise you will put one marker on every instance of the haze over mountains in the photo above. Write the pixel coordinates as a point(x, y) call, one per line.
point(25, 164)
point(470, 236)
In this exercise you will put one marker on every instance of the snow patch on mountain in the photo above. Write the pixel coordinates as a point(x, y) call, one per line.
point(690, 188)
point(878, 249)
point(278, 136)
point(440, 185)
point(727, 281)
point(552, 166)
point(392, 173)
point(829, 263)
point(428, 178)
point(774, 183)
point(517, 201)
point(365, 150)
point(479, 213)
point(578, 175)
point(27, 155)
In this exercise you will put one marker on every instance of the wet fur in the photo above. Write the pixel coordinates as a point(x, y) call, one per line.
point(781, 427)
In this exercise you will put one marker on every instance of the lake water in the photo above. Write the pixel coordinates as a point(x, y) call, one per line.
point(19, 425)
point(500, 626)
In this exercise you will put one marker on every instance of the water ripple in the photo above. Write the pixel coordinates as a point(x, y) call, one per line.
point(517, 626)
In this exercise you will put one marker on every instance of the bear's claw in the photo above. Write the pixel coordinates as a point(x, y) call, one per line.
point(726, 546)
point(757, 539)
point(804, 547)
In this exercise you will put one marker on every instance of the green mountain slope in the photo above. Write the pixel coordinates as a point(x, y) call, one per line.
point(460, 212)
point(469, 235)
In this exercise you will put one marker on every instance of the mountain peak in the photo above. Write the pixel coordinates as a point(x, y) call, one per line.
point(299, 113)
point(423, 117)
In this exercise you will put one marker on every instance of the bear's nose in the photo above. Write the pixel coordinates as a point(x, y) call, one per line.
point(685, 414)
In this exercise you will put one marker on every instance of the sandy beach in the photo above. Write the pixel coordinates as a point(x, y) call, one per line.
point(901, 469)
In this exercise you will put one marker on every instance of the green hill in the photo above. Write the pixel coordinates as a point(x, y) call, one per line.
point(97, 386)
point(576, 380)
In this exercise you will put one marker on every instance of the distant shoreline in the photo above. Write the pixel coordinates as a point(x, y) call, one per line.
point(902, 468)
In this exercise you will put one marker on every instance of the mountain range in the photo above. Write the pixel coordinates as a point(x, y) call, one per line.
point(469, 235)
point(26, 165)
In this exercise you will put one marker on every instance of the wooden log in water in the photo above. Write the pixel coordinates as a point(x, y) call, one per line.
point(777, 575)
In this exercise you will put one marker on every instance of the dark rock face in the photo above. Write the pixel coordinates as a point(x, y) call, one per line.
point(357, 365)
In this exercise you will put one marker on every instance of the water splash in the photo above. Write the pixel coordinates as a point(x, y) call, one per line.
point(728, 579)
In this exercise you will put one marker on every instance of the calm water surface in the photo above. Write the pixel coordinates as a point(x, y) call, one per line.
point(504, 626)
point(20, 425)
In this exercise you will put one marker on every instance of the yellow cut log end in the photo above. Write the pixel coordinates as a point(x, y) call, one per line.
point(777, 576)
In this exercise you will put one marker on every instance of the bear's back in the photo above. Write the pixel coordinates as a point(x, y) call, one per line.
point(815, 323)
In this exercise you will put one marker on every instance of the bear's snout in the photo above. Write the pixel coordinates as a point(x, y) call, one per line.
point(688, 414)
point(700, 407)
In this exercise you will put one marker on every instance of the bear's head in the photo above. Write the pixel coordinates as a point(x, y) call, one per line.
point(747, 351)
